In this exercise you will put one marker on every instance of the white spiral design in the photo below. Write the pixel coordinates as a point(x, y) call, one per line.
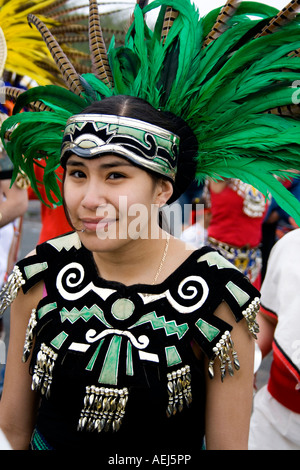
point(193, 292)
point(73, 279)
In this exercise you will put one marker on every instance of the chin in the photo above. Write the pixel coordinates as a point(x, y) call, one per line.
point(94, 243)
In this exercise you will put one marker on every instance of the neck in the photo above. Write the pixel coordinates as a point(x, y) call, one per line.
point(135, 262)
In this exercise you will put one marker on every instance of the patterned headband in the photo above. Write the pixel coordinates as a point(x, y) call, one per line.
point(147, 145)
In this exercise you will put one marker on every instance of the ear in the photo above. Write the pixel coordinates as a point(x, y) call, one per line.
point(164, 190)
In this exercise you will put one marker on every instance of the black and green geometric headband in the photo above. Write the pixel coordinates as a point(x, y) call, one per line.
point(146, 145)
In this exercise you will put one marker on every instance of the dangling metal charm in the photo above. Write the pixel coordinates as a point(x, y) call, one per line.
point(29, 335)
point(104, 409)
point(10, 290)
point(230, 347)
point(43, 370)
point(224, 351)
point(250, 316)
point(179, 390)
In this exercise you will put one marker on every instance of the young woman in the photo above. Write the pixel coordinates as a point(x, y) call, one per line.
point(135, 344)
point(120, 319)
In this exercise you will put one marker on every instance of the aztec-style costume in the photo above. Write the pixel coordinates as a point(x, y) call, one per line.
point(230, 78)
point(110, 357)
point(237, 233)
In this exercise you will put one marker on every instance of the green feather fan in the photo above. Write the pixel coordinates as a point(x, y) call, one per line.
point(230, 91)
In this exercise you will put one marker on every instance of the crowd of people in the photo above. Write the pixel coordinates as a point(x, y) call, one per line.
point(122, 334)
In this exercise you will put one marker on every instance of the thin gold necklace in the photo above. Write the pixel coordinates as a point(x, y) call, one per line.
point(162, 260)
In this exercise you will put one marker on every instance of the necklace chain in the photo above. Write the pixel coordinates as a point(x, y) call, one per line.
point(162, 260)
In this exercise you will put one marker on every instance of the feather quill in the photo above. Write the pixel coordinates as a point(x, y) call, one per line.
point(284, 16)
point(47, 9)
point(52, 95)
point(13, 94)
point(169, 18)
point(288, 110)
point(67, 70)
point(226, 13)
point(100, 63)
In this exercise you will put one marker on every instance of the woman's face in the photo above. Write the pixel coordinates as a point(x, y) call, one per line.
point(112, 202)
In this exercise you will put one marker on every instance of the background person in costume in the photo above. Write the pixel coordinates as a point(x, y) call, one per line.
point(125, 321)
point(235, 227)
point(275, 420)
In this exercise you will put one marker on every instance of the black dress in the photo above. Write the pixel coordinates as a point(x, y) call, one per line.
point(114, 364)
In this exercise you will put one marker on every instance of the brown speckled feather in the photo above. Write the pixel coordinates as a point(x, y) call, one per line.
point(285, 15)
point(295, 53)
point(12, 94)
point(69, 74)
point(220, 25)
point(170, 17)
point(291, 110)
point(99, 58)
point(47, 10)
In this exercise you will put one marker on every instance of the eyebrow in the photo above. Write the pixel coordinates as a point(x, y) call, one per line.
point(107, 165)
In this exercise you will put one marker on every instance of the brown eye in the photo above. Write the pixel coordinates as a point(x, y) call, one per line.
point(115, 175)
point(77, 174)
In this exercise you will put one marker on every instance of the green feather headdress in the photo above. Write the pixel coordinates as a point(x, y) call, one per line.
point(232, 76)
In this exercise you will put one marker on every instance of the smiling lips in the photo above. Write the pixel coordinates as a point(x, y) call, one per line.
point(99, 223)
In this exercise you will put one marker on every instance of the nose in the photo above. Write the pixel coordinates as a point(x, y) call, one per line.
point(94, 196)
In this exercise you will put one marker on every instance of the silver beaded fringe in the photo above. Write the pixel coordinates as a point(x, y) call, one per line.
point(250, 316)
point(224, 351)
point(103, 409)
point(29, 335)
point(10, 289)
point(43, 370)
point(179, 390)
